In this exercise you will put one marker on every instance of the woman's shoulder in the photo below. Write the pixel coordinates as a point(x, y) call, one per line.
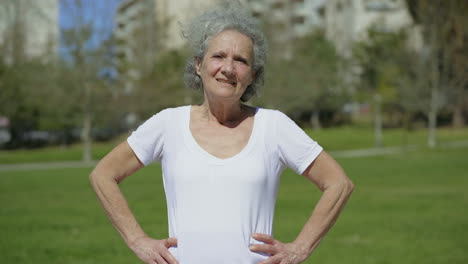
point(270, 113)
point(170, 111)
point(175, 109)
point(166, 114)
point(271, 119)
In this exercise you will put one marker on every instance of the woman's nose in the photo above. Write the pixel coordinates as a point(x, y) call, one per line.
point(228, 67)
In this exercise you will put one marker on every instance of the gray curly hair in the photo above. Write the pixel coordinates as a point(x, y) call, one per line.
point(226, 16)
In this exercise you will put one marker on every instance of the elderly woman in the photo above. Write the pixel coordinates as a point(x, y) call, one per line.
point(221, 160)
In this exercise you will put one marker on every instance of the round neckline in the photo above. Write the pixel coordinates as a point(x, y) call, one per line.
point(210, 157)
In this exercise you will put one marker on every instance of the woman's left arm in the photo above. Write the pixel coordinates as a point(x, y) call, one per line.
point(330, 178)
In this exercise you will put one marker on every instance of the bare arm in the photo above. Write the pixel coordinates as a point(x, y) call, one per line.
point(330, 178)
point(109, 172)
point(328, 175)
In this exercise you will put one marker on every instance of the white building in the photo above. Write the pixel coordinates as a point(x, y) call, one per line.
point(348, 21)
point(135, 32)
point(303, 16)
point(288, 19)
point(157, 19)
point(171, 13)
point(144, 28)
point(28, 28)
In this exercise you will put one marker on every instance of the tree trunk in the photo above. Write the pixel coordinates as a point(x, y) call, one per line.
point(434, 81)
point(315, 120)
point(355, 112)
point(86, 137)
point(431, 142)
point(378, 121)
point(87, 124)
point(457, 118)
point(406, 126)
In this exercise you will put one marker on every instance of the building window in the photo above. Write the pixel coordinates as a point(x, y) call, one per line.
point(298, 20)
point(321, 12)
point(277, 5)
point(339, 6)
point(374, 5)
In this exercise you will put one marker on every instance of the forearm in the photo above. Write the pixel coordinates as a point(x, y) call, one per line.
point(116, 208)
point(323, 216)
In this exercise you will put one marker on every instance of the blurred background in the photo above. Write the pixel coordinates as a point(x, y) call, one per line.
point(82, 71)
point(381, 84)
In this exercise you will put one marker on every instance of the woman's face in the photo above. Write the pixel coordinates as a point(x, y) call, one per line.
point(226, 69)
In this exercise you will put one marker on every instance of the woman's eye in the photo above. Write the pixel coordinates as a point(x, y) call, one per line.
point(242, 61)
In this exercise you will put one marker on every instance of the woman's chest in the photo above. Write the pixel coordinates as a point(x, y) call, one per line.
point(222, 142)
point(191, 181)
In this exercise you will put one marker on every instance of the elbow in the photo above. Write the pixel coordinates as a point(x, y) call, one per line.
point(100, 177)
point(349, 186)
point(344, 186)
point(93, 178)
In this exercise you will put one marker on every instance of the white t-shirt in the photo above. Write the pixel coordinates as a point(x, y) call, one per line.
point(214, 205)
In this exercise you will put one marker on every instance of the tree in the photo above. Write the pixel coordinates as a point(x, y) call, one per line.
point(163, 85)
point(379, 59)
point(24, 69)
point(445, 35)
point(306, 82)
point(150, 71)
point(88, 46)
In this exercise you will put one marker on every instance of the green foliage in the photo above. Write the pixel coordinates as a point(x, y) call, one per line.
point(443, 25)
point(163, 86)
point(44, 93)
point(393, 72)
point(26, 92)
point(306, 82)
point(379, 58)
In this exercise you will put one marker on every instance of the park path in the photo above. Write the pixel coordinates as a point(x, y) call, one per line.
point(355, 153)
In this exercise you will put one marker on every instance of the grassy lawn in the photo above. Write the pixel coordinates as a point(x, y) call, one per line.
point(405, 209)
point(49, 154)
point(343, 138)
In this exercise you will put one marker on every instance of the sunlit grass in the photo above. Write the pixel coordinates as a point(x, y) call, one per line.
point(343, 138)
point(72, 152)
point(405, 209)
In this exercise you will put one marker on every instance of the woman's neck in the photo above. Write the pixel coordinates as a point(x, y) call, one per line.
point(224, 113)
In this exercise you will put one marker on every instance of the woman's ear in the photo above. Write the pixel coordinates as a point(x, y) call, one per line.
point(197, 65)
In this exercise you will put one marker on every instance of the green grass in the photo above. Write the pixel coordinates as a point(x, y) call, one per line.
point(61, 153)
point(405, 209)
point(346, 138)
point(343, 138)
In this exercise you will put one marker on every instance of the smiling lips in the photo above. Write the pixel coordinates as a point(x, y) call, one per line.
point(226, 81)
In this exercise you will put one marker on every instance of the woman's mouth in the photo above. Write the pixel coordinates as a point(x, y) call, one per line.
point(227, 81)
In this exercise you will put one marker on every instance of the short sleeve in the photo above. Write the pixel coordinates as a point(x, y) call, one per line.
point(296, 149)
point(147, 141)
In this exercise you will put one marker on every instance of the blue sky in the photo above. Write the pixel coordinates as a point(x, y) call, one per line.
point(100, 13)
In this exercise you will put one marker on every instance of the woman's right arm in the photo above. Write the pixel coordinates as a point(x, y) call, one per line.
point(109, 172)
